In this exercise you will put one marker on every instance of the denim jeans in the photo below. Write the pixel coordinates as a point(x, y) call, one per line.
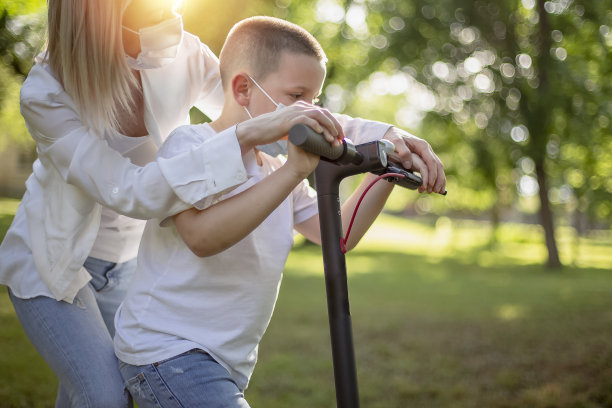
point(109, 282)
point(76, 339)
point(190, 380)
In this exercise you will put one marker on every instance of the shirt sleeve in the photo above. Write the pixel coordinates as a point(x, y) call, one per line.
point(192, 140)
point(305, 204)
point(361, 130)
point(84, 159)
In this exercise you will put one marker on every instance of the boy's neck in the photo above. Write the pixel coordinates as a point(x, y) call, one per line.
point(221, 124)
point(231, 115)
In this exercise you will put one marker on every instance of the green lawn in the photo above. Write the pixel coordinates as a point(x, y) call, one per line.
point(440, 319)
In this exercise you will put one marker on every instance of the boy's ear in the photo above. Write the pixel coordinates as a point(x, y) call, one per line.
point(241, 89)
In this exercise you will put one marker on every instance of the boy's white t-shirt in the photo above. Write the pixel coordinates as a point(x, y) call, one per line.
point(221, 303)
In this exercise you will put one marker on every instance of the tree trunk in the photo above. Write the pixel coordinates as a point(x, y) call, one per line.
point(539, 123)
point(495, 221)
point(546, 217)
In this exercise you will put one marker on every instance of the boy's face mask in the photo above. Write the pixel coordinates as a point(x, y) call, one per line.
point(159, 44)
point(279, 146)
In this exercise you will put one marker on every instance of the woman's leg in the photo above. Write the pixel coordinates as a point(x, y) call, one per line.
point(109, 282)
point(74, 341)
point(191, 379)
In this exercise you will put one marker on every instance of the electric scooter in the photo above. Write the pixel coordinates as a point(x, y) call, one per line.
point(337, 163)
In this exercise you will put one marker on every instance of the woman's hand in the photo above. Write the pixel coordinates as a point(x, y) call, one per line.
point(275, 125)
point(416, 154)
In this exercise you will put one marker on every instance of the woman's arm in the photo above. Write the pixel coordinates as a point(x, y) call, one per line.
point(83, 158)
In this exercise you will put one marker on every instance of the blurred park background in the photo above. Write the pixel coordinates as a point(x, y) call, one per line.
point(498, 295)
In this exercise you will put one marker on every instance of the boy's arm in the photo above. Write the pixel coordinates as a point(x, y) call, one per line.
point(369, 209)
point(216, 228)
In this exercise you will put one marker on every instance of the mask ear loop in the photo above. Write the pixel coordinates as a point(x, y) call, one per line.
point(130, 30)
point(262, 90)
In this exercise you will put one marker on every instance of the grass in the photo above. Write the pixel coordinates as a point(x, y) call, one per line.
point(440, 319)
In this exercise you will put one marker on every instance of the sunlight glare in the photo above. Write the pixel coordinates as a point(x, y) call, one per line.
point(528, 186)
point(440, 69)
point(483, 83)
point(511, 312)
point(472, 65)
point(356, 17)
point(519, 134)
point(329, 11)
point(524, 61)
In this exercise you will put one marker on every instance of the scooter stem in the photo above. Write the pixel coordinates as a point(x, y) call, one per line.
point(338, 162)
point(327, 179)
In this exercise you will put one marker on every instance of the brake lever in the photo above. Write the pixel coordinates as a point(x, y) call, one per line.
point(409, 179)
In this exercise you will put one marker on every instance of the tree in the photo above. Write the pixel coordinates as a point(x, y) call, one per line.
point(506, 86)
point(21, 37)
point(21, 24)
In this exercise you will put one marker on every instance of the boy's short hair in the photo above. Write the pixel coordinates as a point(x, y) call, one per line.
point(257, 43)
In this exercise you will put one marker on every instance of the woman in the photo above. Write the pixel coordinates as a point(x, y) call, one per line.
point(116, 78)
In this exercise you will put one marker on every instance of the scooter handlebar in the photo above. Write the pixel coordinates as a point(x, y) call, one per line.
point(304, 137)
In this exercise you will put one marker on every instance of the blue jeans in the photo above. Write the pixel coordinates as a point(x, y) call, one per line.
point(76, 339)
point(190, 380)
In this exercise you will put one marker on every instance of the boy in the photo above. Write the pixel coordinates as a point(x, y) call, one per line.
point(207, 280)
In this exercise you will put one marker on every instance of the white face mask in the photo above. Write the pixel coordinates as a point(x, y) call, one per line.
point(279, 146)
point(159, 44)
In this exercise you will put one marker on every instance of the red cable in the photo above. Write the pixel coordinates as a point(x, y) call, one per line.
point(348, 231)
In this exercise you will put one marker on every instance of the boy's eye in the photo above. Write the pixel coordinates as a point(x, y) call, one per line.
point(296, 96)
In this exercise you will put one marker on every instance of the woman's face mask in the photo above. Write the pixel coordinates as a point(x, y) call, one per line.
point(279, 146)
point(159, 44)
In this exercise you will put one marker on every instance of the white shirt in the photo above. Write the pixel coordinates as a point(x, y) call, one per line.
point(119, 236)
point(221, 303)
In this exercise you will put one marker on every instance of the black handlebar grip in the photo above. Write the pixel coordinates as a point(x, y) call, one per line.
point(304, 137)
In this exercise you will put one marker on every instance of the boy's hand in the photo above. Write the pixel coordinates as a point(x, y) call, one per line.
point(272, 126)
point(416, 154)
point(300, 161)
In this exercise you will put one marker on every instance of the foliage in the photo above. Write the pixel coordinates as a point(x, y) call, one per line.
point(12, 127)
point(513, 95)
point(21, 37)
point(21, 24)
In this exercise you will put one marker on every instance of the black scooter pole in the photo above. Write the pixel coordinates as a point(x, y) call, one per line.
point(334, 264)
point(336, 164)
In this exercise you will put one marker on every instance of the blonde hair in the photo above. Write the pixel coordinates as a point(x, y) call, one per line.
point(256, 43)
point(85, 51)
